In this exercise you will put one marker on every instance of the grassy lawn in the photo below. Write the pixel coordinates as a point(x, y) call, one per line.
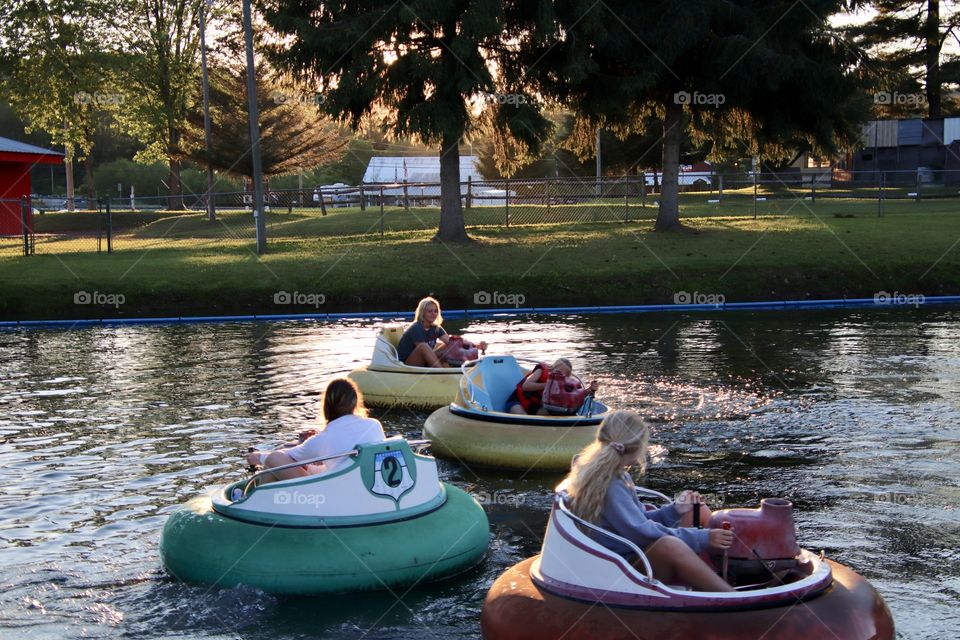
point(175, 264)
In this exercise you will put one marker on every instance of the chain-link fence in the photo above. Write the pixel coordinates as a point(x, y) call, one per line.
point(14, 226)
point(155, 223)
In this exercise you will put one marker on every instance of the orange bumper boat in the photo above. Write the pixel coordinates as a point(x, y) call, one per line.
point(578, 588)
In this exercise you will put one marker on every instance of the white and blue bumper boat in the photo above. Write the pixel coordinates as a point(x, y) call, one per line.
point(476, 428)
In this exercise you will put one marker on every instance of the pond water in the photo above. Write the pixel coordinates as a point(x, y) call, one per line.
point(104, 431)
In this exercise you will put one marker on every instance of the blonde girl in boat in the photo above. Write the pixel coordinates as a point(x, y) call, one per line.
point(603, 493)
point(422, 344)
point(345, 425)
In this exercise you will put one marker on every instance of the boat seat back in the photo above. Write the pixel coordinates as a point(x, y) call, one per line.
point(392, 334)
point(385, 347)
point(492, 381)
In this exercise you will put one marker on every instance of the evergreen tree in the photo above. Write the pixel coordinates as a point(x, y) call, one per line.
point(293, 133)
point(770, 72)
point(908, 43)
point(420, 62)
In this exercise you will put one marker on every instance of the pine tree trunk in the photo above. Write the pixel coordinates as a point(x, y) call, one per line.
point(91, 189)
point(932, 54)
point(668, 217)
point(452, 227)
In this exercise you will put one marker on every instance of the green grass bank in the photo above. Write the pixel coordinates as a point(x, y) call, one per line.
point(179, 264)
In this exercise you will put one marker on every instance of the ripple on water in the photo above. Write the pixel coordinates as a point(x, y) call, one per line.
point(855, 417)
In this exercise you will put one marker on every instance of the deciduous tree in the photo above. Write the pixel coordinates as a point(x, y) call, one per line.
point(421, 62)
point(769, 72)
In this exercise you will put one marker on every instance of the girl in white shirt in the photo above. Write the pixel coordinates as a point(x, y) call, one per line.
point(347, 425)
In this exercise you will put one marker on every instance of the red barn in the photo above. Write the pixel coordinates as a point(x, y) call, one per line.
point(16, 160)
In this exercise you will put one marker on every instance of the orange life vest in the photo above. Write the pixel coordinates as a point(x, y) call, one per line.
point(531, 401)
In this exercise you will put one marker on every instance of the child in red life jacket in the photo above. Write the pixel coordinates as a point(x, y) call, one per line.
point(527, 398)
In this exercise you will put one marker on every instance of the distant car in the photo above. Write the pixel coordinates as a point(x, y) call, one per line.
point(54, 203)
point(337, 194)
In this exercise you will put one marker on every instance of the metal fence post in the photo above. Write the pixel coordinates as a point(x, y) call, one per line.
point(626, 199)
point(24, 223)
point(546, 194)
point(918, 186)
point(813, 190)
point(719, 189)
point(469, 191)
point(506, 201)
point(754, 194)
point(406, 196)
point(100, 223)
point(323, 204)
point(880, 181)
point(643, 189)
point(381, 215)
point(109, 227)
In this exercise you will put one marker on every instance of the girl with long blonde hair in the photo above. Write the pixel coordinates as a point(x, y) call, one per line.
point(602, 492)
point(424, 341)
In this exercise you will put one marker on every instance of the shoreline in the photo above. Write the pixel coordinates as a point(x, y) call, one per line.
point(540, 267)
point(770, 305)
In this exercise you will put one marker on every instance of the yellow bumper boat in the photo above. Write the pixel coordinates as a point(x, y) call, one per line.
point(388, 382)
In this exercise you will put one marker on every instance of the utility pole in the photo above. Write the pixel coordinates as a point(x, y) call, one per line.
point(254, 114)
point(211, 210)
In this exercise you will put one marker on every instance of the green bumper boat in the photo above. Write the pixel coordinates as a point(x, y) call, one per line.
point(381, 521)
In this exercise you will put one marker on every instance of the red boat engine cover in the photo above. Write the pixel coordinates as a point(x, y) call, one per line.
point(765, 539)
point(459, 351)
point(563, 396)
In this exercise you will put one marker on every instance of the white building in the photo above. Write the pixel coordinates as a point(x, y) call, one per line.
point(410, 169)
point(422, 175)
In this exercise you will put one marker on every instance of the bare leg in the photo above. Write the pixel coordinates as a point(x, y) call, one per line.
point(673, 561)
point(278, 459)
point(423, 356)
point(518, 409)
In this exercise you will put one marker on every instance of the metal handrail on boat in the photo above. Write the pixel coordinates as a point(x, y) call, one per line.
point(416, 445)
point(253, 478)
point(650, 493)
